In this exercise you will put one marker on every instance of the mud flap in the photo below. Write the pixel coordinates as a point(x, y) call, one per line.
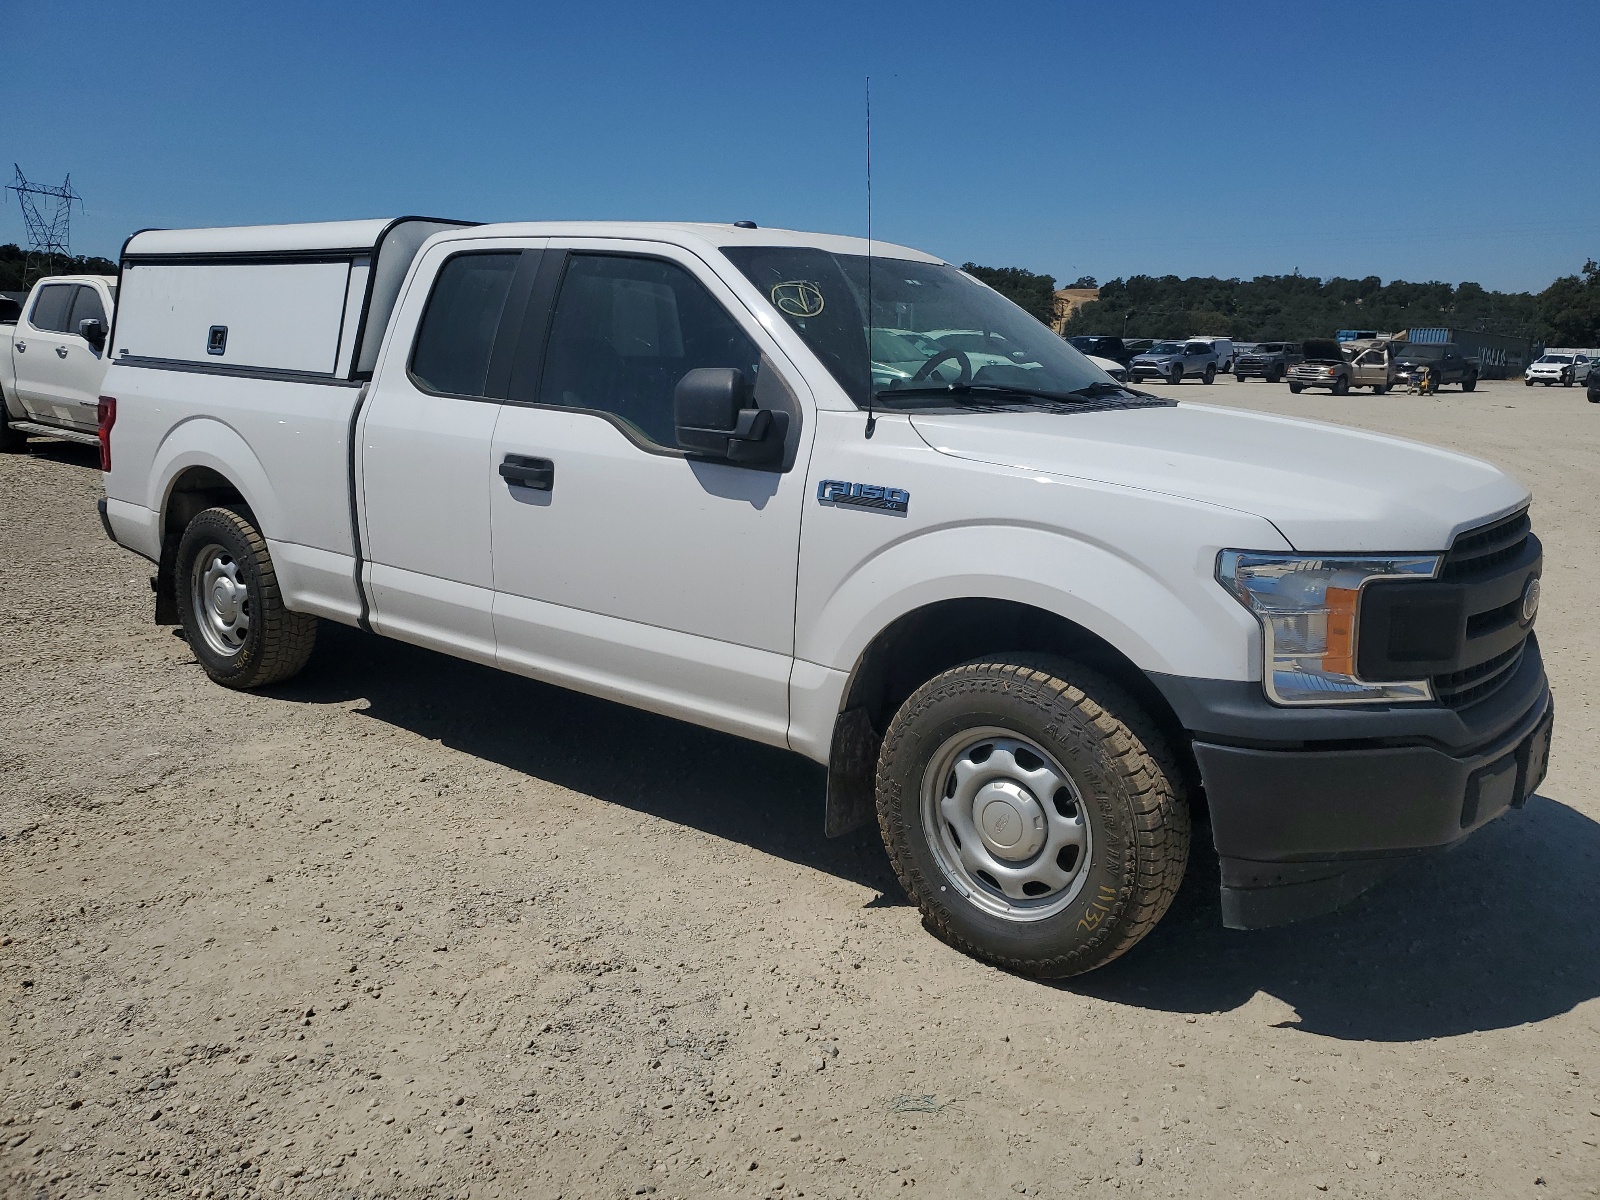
point(852, 773)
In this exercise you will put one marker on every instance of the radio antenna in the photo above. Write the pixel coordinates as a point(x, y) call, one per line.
point(872, 418)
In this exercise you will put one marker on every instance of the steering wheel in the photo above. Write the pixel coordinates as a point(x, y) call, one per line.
point(965, 363)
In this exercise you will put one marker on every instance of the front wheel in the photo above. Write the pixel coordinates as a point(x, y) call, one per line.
point(1295, 388)
point(230, 606)
point(1034, 813)
point(1341, 386)
point(1379, 389)
point(1527, 383)
point(1237, 378)
point(1175, 376)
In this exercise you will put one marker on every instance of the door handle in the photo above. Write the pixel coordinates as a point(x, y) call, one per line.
point(518, 470)
point(22, 347)
point(61, 351)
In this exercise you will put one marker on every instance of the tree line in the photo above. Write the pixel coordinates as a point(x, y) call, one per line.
point(1296, 307)
point(13, 258)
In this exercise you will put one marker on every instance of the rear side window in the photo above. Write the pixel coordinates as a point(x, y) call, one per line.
point(626, 330)
point(50, 307)
point(459, 325)
point(86, 307)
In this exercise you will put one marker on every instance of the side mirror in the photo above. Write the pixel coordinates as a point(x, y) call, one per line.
point(714, 418)
point(92, 331)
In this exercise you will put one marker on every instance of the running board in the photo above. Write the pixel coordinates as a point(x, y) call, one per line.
point(70, 435)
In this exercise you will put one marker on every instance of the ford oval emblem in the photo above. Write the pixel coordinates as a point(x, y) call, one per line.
point(1530, 600)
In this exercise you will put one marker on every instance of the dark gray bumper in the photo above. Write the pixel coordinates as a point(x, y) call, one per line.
point(1311, 807)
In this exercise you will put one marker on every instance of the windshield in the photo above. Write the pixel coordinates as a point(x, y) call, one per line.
point(1166, 348)
point(1422, 352)
point(1268, 348)
point(1556, 358)
point(933, 327)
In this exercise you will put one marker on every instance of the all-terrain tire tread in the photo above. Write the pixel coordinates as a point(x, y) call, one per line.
point(1144, 764)
point(287, 637)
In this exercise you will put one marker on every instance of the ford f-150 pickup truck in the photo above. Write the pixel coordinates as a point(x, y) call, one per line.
point(53, 359)
point(1027, 618)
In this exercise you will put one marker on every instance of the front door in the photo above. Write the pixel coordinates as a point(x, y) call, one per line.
point(623, 567)
point(1371, 368)
point(83, 365)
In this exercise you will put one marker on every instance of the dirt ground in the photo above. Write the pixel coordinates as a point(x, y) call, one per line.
point(407, 927)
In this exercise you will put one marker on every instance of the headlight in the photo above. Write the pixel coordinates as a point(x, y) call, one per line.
point(1309, 609)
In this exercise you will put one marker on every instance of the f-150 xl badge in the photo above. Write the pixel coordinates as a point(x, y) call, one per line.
point(870, 496)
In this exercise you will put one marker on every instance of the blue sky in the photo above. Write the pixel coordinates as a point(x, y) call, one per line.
point(1420, 141)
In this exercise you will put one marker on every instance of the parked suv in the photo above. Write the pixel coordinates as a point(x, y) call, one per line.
point(1173, 361)
point(1267, 360)
point(1565, 369)
point(1444, 361)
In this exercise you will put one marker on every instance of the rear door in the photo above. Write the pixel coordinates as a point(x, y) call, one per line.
point(628, 569)
point(425, 467)
point(38, 352)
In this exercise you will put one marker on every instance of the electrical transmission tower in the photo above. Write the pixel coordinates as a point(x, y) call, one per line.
point(49, 238)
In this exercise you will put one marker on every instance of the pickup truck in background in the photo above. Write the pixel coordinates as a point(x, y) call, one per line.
point(1444, 361)
point(53, 359)
point(1269, 361)
point(1021, 613)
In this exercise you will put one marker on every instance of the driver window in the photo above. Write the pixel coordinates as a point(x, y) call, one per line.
point(86, 307)
point(626, 330)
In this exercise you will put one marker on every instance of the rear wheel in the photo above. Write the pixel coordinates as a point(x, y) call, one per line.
point(1211, 374)
point(1379, 389)
point(230, 606)
point(1033, 812)
point(1469, 384)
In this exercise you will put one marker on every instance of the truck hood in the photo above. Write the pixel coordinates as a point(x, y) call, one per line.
point(1326, 487)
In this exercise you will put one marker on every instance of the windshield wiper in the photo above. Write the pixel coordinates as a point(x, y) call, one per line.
point(982, 391)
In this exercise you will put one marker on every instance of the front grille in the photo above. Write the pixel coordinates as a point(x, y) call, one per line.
point(1479, 551)
point(1491, 566)
point(1461, 688)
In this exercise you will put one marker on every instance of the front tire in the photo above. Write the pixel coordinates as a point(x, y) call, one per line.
point(1341, 386)
point(1295, 388)
point(1034, 813)
point(231, 608)
point(1379, 389)
point(1175, 376)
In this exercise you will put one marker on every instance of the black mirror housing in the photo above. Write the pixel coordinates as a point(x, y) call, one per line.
point(715, 419)
point(92, 331)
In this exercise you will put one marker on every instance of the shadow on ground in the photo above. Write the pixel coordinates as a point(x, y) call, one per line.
point(1498, 933)
point(768, 799)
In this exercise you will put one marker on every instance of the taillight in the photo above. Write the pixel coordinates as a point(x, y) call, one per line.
point(108, 418)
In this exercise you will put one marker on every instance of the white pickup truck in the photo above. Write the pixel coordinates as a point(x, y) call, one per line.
point(1029, 619)
point(53, 359)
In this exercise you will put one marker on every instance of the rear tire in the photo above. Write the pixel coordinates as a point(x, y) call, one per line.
point(1211, 374)
point(1379, 389)
point(1469, 384)
point(231, 608)
point(1032, 753)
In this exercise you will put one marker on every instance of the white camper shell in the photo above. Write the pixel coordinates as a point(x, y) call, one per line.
point(291, 301)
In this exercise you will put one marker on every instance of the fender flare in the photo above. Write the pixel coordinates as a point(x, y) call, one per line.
point(207, 442)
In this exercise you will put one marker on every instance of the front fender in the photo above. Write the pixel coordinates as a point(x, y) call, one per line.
point(1169, 616)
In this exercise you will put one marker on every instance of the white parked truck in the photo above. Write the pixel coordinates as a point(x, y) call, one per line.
point(53, 359)
point(1029, 619)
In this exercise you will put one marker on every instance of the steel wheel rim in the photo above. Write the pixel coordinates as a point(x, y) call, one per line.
point(221, 600)
point(1006, 824)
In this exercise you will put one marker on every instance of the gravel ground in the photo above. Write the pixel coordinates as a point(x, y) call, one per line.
point(407, 927)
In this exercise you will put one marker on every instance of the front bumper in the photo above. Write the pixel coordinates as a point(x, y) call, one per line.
point(1311, 808)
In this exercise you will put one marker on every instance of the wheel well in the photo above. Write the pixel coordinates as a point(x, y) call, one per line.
point(193, 491)
point(921, 644)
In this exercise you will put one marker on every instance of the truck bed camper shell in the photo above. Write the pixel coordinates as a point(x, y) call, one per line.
point(307, 301)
